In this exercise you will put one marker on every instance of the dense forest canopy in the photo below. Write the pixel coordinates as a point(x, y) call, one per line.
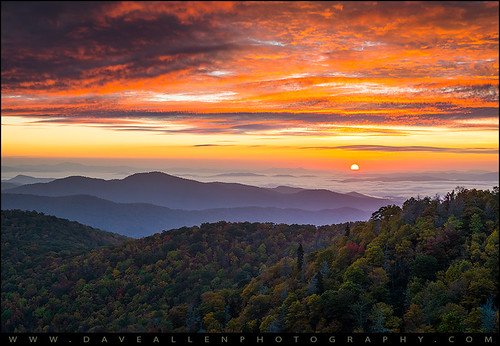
point(428, 266)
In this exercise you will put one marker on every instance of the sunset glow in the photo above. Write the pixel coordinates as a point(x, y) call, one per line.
point(398, 85)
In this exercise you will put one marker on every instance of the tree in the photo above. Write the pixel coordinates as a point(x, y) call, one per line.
point(270, 324)
point(360, 311)
point(214, 303)
point(314, 308)
point(300, 258)
point(377, 318)
point(451, 322)
point(347, 230)
point(473, 322)
point(177, 315)
point(413, 208)
point(414, 320)
point(211, 324)
point(386, 212)
point(375, 256)
point(297, 319)
point(476, 224)
point(488, 315)
point(355, 275)
point(424, 267)
point(383, 319)
point(319, 283)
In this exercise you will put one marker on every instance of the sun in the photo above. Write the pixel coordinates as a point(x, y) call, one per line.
point(354, 167)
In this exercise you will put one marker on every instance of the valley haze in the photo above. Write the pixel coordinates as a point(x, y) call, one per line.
point(144, 203)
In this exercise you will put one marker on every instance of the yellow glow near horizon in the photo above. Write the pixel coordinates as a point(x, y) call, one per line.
point(22, 136)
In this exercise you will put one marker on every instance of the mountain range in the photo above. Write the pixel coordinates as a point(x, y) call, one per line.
point(145, 203)
point(22, 179)
point(429, 268)
point(141, 219)
point(179, 193)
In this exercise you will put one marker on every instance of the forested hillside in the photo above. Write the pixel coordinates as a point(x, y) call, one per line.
point(39, 234)
point(430, 266)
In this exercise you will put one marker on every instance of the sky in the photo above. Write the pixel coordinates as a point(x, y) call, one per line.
point(391, 86)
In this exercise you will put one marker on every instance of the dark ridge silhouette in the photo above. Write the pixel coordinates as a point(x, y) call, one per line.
point(179, 193)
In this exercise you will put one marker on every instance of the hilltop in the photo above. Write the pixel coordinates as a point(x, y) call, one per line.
point(428, 266)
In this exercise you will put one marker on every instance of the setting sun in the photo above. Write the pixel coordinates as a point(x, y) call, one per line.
point(354, 167)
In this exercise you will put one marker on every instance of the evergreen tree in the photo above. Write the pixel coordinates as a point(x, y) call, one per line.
point(488, 316)
point(300, 258)
point(319, 283)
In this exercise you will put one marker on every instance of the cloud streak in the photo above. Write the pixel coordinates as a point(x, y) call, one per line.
point(386, 148)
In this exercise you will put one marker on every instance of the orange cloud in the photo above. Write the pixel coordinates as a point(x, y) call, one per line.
point(270, 69)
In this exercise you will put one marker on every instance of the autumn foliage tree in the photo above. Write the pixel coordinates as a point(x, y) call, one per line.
point(428, 266)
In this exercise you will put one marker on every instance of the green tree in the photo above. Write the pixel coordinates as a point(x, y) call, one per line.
point(414, 320)
point(451, 322)
point(476, 223)
point(300, 258)
point(211, 324)
point(297, 319)
point(424, 267)
point(383, 320)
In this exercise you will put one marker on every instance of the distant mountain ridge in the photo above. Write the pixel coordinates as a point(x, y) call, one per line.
point(141, 219)
point(179, 193)
point(22, 179)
